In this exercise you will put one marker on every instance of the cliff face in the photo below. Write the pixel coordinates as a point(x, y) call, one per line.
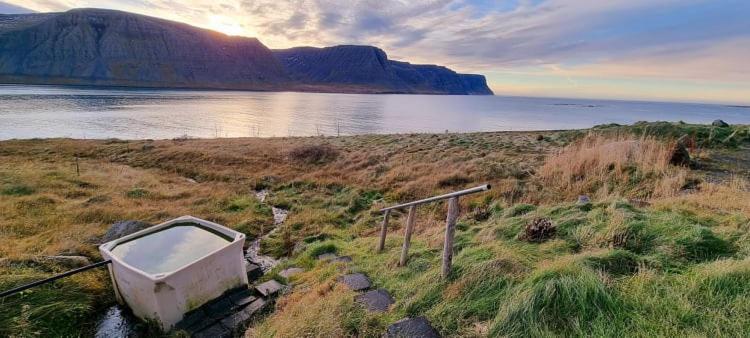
point(105, 47)
point(366, 66)
point(116, 48)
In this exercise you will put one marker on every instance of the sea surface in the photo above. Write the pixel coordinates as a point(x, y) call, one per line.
point(84, 112)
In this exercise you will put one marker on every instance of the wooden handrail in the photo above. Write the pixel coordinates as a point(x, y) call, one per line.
point(450, 224)
point(474, 190)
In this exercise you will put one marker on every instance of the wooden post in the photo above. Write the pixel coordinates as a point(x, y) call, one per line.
point(407, 234)
point(450, 231)
point(383, 230)
point(78, 169)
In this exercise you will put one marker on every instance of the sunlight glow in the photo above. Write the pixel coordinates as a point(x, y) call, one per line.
point(226, 25)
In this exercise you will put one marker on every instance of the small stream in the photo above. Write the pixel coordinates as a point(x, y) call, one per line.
point(253, 252)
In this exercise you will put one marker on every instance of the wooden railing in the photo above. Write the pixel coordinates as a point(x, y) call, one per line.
point(450, 224)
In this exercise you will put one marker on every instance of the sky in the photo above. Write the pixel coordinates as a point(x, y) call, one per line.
point(661, 50)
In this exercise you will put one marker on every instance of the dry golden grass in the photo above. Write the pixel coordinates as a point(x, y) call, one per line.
point(612, 165)
point(726, 197)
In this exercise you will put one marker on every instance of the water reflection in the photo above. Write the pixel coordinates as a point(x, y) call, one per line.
point(169, 249)
point(79, 112)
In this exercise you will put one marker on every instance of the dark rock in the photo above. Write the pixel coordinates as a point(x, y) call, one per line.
point(219, 308)
point(583, 199)
point(214, 331)
point(376, 300)
point(720, 124)
point(194, 321)
point(242, 298)
point(123, 228)
point(418, 327)
point(356, 281)
point(289, 272)
point(253, 271)
point(680, 155)
point(148, 146)
point(269, 288)
point(237, 322)
point(539, 230)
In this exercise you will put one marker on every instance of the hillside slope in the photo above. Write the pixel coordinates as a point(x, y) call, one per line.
point(367, 66)
point(106, 47)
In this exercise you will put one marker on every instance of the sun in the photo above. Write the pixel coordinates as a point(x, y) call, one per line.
point(226, 25)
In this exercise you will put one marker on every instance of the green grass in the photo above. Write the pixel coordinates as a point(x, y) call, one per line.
point(705, 136)
point(611, 270)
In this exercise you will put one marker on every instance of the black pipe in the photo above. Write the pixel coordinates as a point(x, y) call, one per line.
point(53, 278)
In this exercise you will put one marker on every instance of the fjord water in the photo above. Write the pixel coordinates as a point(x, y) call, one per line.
point(81, 112)
point(169, 249)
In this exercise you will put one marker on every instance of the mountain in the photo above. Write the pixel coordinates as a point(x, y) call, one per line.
point(368, 68)
point(107, 47)
point(6, 8)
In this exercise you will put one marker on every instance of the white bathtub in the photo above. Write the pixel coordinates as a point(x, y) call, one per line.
point(166, 270)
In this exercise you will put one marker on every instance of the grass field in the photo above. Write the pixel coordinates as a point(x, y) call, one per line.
point(661, 250)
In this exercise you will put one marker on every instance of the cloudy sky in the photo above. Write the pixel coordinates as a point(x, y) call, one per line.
point(673, 50)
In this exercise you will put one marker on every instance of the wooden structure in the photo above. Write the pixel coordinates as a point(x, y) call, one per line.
point(450, 224)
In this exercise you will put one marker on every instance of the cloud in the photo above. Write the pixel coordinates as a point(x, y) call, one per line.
point(685, 40)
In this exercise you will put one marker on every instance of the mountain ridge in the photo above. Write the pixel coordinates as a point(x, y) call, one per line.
point(114, 48)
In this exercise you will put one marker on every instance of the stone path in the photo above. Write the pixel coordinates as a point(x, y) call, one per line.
point(379, 300)
point(418, 327)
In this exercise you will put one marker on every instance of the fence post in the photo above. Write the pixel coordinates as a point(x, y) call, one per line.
point(407, 234)
point(383, 230)
point(450, 231)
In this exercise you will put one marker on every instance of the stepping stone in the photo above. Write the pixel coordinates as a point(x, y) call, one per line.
point(327, 257)
point(269, 288)
point(254, 271)
point(242, 298)
point(376, 300)
point(213, 331)
point(238, 320)
point(356, 281)
point(193, 321)
point(418, 327)
point(219, 308)
point(287, 273)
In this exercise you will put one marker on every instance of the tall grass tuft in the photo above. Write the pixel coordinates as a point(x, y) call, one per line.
point(563, 299)
point(611, 165)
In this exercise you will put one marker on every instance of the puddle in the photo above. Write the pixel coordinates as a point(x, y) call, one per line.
point(116, 323)
point(169, 249)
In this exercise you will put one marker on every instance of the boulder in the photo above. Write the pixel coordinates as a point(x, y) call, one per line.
point(123, 228)
point(720, 124)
